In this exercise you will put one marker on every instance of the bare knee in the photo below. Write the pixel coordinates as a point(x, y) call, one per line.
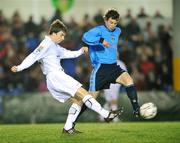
point(76, 101)
point(125, 79)
point(94, 94)
point(81, 93)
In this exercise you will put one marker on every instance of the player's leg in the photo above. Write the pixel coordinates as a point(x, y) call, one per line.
point(94, 94)
point(84, 107)
point(63, 87)
point(91, 103)
point(127, 81)
point(92, 88)
point(111, 97)
point(73, 113)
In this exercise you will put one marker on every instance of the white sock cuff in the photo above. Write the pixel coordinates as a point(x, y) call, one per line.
point(76, 106)
point(114, 107)
point(86, 98)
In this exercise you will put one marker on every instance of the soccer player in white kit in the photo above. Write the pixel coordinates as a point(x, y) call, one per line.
point(62, 86)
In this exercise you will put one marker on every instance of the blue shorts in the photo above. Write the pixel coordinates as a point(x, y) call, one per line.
point(103, 75)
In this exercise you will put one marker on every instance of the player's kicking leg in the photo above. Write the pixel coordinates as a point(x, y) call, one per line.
point(90, 102)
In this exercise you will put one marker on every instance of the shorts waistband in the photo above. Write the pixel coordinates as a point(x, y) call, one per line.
point(109, 64)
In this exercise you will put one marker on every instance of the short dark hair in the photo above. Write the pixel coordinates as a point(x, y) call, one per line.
point(57, 26)
point(111, 13)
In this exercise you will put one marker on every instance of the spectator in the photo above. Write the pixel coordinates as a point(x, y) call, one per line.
point(142, 13)
point(98, 17)
point(17, 27)
point(132, 30)
point(57, 15)
point(128, 14)
point(158, 15)
point(31, 27)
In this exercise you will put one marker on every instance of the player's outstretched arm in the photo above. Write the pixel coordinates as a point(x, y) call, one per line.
point(37, 54)
point(67, 54)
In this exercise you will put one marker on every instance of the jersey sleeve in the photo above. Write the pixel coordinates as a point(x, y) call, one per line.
point(67, 54)
point(36, 55)
point(92, 37)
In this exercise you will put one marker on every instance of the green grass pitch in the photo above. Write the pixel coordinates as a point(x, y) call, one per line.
point(125, 132)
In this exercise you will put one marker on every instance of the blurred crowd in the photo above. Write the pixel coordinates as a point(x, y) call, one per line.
point(146, 50)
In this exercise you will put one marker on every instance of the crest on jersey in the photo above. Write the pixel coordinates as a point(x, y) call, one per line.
point(113, 38)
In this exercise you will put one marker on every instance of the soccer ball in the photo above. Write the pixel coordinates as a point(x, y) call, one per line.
point(148, 110)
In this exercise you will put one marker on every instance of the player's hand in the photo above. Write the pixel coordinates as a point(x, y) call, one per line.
point(85, 49)
point(105, 43)
point(14, 68)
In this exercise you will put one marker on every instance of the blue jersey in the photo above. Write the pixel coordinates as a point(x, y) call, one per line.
point(98, 53)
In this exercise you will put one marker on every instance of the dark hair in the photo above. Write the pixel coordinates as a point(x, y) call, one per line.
point(111, 13)
point(57, 26)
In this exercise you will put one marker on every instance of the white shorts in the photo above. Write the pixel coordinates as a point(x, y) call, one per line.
point(62, 86)
point(112, 93)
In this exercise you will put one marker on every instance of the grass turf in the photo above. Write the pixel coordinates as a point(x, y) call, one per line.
point(126, 132)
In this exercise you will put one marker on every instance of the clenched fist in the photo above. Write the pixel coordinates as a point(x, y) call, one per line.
point(14, 68)
point(105, 43)
point(85, 49)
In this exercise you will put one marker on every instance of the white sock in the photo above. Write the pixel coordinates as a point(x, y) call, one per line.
point(114, 107)
point(91, 103)
point(74, 111)
point(106, 106)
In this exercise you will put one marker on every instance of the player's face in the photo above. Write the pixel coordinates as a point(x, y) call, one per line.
point(60, 36)
point(111, 23)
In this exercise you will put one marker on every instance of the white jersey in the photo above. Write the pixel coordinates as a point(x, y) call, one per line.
point(49, 54)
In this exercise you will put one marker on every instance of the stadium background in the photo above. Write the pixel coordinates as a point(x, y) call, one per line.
point(146, 46)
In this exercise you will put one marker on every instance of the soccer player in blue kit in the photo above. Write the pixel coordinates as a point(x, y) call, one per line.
point(102, 42)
